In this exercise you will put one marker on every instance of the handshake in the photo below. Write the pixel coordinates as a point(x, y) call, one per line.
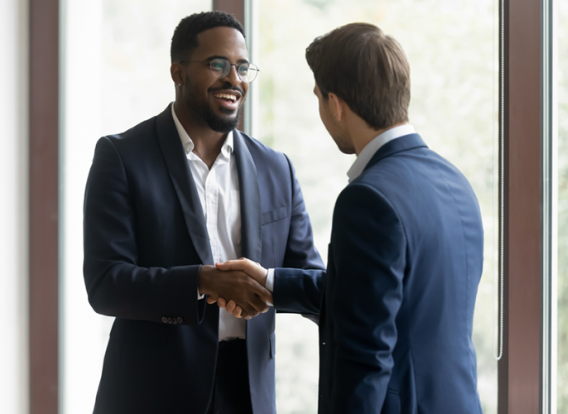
point(236, 285)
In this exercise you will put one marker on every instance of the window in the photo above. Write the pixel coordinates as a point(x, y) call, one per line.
point(116, 74)
point(452, 47)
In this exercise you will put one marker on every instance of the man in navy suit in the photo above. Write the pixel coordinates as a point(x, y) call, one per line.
point(164, 201)
point(406, 250)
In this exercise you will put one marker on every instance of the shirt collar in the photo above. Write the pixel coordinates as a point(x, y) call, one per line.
point(188, 144)
point(372, 147)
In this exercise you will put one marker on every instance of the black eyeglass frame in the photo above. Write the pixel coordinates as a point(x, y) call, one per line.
point(247, 65)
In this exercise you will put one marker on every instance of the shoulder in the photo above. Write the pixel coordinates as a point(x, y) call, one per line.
point(364, 212)
point(264, 155)
point(361, 195)
point(134, 143)
point(133, 136)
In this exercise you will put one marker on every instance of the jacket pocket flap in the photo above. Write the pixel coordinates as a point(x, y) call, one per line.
point(274, 215)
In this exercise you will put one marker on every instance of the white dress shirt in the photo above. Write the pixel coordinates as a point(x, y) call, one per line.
point(219, 194)
point(372, 147)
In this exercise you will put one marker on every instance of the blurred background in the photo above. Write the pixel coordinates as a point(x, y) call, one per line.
point(115, 74)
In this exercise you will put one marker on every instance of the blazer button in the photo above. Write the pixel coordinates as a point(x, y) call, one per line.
point(165, 320)
point(179, 320)
point(323, 343)
point(170, 321)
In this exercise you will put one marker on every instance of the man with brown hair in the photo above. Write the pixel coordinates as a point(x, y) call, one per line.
point(406, 250)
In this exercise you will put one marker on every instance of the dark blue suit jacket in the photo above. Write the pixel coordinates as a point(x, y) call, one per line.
point(405, 260)
point(145, 239)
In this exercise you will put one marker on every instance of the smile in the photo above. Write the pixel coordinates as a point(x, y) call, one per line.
point(230, 97)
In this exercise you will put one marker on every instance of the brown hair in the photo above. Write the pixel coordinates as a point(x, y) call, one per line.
point(367, 69)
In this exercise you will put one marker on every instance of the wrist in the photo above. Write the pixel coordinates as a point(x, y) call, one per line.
point(265, 278)
point(203, 280)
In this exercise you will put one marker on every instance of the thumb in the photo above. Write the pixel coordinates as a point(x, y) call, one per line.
point(240, 264)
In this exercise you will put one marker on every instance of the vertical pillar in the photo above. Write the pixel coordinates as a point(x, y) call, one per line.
point(43, 199)
point(519, 368)
point(237, 8)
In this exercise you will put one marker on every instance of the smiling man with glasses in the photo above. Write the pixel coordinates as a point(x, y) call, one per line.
point(164, 202)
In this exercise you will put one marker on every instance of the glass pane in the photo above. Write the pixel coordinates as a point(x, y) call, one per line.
point(562, 282)
point(453, 56)
point(115, 75)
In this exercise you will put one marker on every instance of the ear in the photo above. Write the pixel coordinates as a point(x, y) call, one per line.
point(336, 106)
point(176, 71)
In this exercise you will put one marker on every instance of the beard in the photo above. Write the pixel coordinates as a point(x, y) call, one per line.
point(214, 121)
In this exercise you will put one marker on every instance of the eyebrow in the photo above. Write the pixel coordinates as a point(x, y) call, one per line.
point(225, 57)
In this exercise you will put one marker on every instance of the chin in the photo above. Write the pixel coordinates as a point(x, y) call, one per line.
point(346, 150)
point(345, 147)
point(226, 111)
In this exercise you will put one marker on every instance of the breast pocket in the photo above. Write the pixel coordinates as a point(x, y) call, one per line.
point(274, 215)
point(275, 225)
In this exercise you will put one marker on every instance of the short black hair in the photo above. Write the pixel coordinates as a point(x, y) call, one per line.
point(184, 39)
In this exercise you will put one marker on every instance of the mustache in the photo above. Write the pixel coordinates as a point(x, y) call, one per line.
point(227, 86)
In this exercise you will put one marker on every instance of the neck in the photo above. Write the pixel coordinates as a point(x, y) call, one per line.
point(207, 143)
point(364, 135)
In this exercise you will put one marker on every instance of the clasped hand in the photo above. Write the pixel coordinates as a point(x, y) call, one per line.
point(236, 285)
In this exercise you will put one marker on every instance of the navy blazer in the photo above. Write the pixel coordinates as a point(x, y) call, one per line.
point(405, 260)
point(145, 239)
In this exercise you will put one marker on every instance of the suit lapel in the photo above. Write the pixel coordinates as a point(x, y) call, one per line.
point(250, 200)
point(184, 185)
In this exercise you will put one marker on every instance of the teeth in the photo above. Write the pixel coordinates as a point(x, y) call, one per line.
point(226, 96)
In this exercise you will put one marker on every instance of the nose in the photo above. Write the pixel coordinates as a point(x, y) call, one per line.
point(232, 76)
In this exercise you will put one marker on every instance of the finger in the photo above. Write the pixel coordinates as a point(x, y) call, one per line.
point(210, 300)
point(263, 297)
point(249, 310)
point(269, 303)
point(241, 264)
point(231, 305)
point(238, 312)
point(221, 302)
point(258, 304)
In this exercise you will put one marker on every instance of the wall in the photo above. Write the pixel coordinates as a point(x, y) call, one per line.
point(13, 207)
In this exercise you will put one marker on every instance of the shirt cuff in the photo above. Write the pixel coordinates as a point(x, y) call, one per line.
point(270, 280)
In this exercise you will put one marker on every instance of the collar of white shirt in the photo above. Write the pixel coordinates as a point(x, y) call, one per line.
point(188, 144)
point(372, 147)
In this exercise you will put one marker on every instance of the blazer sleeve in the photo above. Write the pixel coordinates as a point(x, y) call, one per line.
point(368, 250)
point(116, 284)
point(298, 286)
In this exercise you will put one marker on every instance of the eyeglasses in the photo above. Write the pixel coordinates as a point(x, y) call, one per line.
point(220, 67)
